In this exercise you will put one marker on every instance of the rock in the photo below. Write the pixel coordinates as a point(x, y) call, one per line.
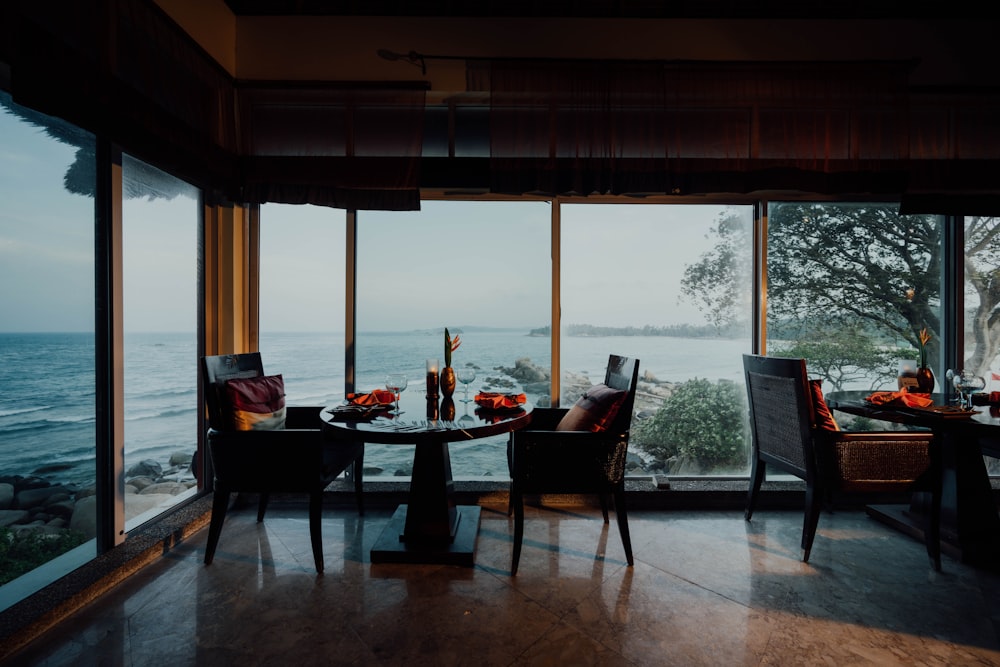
point(37, 497)
point(144, 502)
point(140, 483)
point(10, 517)
point(145, 468)
point(180, 459)
point(166, 488)
point(6, 495)
point(84, 517)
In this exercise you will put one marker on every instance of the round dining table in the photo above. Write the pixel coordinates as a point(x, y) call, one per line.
point(430, 527)
point(970, 524)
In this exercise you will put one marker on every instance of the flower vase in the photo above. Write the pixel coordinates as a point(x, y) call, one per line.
point(925, 380)
point(447, 381)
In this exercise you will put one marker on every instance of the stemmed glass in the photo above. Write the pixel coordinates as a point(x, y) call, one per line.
point(466, 376)
point(966, 384)
point(396, 383)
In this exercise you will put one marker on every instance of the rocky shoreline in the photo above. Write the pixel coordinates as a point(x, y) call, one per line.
point(35, 503)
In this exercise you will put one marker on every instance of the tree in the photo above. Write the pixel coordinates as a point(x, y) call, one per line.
point(844, 357)
point(715, 438)
point(982, 278)
point(857, 263)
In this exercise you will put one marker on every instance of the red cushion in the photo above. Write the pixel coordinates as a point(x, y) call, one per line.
point(595, 410)
point(822, 416)
point(256, 404)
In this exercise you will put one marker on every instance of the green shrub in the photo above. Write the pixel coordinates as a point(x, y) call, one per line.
point(23, 551)
point(701, 421)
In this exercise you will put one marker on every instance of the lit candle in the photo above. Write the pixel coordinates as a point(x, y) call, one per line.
point(432, 378)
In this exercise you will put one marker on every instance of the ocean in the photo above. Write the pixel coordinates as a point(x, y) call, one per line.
point(47, 395)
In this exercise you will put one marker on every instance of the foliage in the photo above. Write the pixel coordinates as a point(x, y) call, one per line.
point(716, 282)
point(450, 345)
point(23, 551)
point(857, 262)
point(844, 356)
point(702, 421)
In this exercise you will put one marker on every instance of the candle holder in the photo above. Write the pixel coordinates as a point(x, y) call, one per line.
point(432, 378)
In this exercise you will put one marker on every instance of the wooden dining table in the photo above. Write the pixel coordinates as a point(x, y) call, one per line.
point(430, 527)
point(970, 524)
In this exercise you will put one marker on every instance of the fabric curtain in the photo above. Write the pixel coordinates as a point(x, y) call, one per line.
point(348, 146)
point(621, 127)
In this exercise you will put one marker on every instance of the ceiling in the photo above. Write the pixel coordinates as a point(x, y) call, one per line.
point(788, 9)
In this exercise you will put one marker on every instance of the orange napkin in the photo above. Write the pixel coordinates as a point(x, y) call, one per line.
point(377, 397)
point(497, 401)
point(902, 398)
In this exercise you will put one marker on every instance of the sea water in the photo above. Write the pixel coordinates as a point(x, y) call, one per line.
point(48, 397)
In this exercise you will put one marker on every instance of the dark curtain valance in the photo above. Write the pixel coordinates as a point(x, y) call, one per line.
point(124, 70)
point(335, 145)
point(622, 127)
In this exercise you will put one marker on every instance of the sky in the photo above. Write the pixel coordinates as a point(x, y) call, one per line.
point(452, 263)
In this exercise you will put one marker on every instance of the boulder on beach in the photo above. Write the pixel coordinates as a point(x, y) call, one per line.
point(145, 468)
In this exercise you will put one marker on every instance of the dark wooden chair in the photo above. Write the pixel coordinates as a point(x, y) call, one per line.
point(543, 459)
point(296, 459)
point(786, 422)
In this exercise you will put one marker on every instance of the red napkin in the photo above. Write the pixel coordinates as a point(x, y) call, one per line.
point(377, 397)
point(902, 398)
point(497, 401)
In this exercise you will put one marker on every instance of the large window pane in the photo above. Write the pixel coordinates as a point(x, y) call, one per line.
point(302, 300)
point(982, 305)
point(850, 287)
point(671, 286)
point(160, 294)
point(47, 382)
point(480, 268)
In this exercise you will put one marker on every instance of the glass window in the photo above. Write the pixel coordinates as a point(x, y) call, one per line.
point(47, 379)
point(482, 269)
point(982, 326)
point(671, 286)
point(850, 287)
point(302, 300)
point(160, 218)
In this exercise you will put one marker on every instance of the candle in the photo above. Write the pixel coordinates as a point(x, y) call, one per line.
point(432, 378)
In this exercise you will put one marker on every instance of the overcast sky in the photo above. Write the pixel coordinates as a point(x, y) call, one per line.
point(463, 263)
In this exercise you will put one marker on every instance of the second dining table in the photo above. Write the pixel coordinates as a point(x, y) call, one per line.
point(430, 527)
point(970, 524)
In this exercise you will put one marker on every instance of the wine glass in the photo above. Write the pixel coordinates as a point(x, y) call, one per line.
point(466, 376)
point(966, 384)
point(396, 383)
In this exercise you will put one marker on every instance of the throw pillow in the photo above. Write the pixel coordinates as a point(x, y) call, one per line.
point(595, 410)
point(256, 404)
point(822, 415)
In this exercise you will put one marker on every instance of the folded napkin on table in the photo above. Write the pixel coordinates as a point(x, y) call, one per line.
point(901, 398)
point(496, 401)
point(377, 397)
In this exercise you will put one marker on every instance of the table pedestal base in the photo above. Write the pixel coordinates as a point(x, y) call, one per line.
point(390, 548)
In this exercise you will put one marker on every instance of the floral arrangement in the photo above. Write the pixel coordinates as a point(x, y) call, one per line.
point(925, 337)
point(450, 345)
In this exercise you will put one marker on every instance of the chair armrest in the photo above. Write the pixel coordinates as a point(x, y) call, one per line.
point(546, 419)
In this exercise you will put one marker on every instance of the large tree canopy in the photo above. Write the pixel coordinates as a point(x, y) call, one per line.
point(831, 265)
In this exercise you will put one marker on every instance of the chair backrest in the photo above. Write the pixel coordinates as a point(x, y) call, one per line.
point(780, 412)
point(623, 373)
point(216, 370)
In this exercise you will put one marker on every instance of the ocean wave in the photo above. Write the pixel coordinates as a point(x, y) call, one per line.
point(21, 411)
point(136, 416)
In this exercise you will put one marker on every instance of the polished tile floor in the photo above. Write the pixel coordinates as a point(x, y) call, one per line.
point(707, 589)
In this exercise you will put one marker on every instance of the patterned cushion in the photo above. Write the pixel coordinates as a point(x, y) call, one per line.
point(822, 415)
point(595, 410)
point(257, 403)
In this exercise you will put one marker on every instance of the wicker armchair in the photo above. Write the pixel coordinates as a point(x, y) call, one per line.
point(293, 459)
point(787, 416)
point(545, 459)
